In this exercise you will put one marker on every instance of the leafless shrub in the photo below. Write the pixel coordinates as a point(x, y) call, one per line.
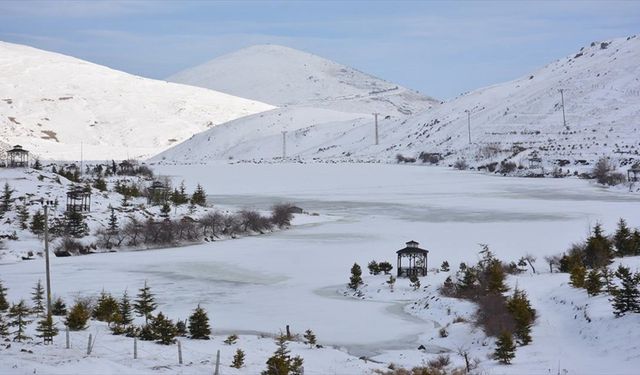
point(493, 315)
point(70, 246)
point(440, 362)
point(488, 151)
point(281, 215)
point(461, 164)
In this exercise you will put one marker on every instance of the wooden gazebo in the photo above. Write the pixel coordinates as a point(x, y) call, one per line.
point(633, 173)
point(78, 199)
point(157, 193)
point(415, 260)
point(18, 157)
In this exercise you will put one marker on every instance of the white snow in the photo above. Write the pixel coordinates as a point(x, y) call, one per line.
point(602, 105)
point(283, 76)
point(260, 284)
point(54, 105)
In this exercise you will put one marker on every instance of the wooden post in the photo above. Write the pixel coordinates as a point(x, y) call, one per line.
point(135, 348)
point(67, 336)
point(288, 333)
point(217, 370)
point(179, 352)
point(89, 345)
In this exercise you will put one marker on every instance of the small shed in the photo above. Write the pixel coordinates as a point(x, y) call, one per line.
point(633, 173)
point(157, 193)
point(78, 199)
point(412, 260)
point(18, 157)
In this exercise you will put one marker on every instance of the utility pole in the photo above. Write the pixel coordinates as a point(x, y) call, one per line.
point(564, 120)
point(46, 258)
point(468, 112)
point(375, 115)
point(81, 158)
point(284, 145)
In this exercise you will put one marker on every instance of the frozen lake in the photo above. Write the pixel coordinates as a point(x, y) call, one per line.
point(265, 282)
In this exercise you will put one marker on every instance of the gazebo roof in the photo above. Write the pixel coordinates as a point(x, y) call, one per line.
point(17, 149)
point(412, 248)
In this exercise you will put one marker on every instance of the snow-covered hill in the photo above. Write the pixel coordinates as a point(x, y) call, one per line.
point(51, 103)
point(284, 76)
point(601, 85)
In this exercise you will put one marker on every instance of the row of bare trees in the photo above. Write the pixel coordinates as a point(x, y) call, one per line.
point(212, 226)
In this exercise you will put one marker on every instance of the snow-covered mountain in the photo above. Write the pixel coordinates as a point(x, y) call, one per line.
point(284, 76)
point(51, 104)
point(601, 87)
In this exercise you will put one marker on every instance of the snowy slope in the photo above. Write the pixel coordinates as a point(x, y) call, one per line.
point(284, 76)
point(601, 84)
point(51, 103)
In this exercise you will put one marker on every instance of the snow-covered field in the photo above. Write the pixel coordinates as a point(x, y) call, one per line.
point(260, 284)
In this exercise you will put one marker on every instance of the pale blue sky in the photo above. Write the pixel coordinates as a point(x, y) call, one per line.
point(438, 48)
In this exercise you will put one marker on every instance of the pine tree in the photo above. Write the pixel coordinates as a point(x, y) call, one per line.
point(356, 277)
point(635, 242)
point(391, 282)
point(19, 318)
point(59, 308)
point(593, 283)
point(145, 303)
point(37, 296)
point(495, 278)
point(4, 326)
point(523, 315)
point(37, 223)
point(231, 339)
point(577, 276)
point(622, 239)
point(23, 217)
point(164, 329)
point(46, 328)
point(505, 349)
point(78, 317)
point(100, 184)
point(199, 197)
point(106, 309)
point(148, 333)
point(37, 165)
point(238, 359)
point(385, 267)
point(415, 282)
point(165, 209)
point(598, 251)
point(444, 267)
point(309, 338)
point(373, 267)
point(199, 324)
point(112, 225)
point(5, 203)
point(124, 310)
point(4, 304)
point(281, 362)
point(627, 297)
point(181, 328)
point(74, 224)
point(469, 281)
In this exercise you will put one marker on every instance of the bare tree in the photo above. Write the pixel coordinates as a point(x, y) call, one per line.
point(552, 260)
point(530, 259)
